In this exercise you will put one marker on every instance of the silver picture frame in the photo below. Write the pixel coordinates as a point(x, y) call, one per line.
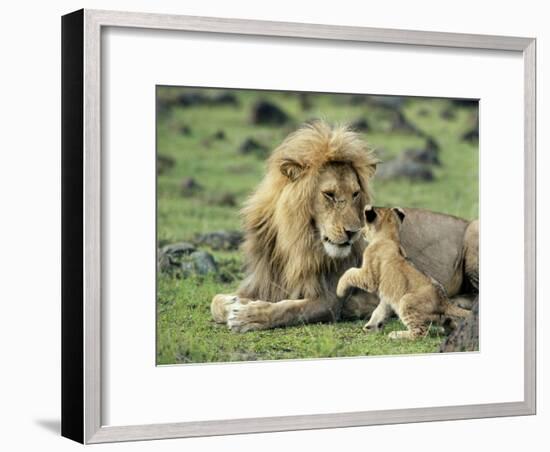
point(81, 224)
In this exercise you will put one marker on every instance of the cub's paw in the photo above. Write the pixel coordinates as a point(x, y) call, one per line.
point(343, 287)
point(221, 305)
point(252, 316)
point(370, 328)
point(401, 335)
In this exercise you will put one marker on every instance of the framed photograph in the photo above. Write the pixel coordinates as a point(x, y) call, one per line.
point(280, 226)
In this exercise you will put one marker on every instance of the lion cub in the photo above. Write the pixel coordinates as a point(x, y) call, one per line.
point(416, 298)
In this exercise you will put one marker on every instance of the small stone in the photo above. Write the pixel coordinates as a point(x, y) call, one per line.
point(219, 135)
point(225, 98)
point(185, 130)
point(428, 155)
point(401, 124)
point(448, 114)
point(225, 200)
point(469, 103)
point(423, 112)
point(404, 168)
point(164, 163)
point(360, 125)
point(471, 136)
point(189, 187)
point(198, 263)
point(192, 99)
point(183, 259)
point(268, 113)
point(220, 240)
point(252, 146)
point(169, 257)
point(389, 102)
point(305, 101)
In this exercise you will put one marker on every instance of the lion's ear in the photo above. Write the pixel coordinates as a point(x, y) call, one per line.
point(291, 169)
point(372, 168)
point(400, 213)
point(370, 214)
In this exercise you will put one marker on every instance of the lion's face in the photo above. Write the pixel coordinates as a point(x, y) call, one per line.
point(338, 209)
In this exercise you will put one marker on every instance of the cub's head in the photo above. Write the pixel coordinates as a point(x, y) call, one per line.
point(383, 222)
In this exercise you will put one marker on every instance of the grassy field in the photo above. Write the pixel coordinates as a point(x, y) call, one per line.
point(190, 137)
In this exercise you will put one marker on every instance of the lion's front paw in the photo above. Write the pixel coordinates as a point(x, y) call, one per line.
point(221, 305)
point(251, 316)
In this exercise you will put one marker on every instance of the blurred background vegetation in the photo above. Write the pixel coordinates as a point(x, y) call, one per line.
point(211, 151)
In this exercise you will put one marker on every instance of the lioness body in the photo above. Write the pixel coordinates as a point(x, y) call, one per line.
point(302, 232)
point(415, 297)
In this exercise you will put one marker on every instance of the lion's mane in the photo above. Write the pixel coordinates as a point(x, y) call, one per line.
point(283, 254)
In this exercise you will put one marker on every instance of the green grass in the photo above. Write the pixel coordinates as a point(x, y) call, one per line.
point(185, 331)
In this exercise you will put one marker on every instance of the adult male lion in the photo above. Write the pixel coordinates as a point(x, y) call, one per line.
point(302, 232)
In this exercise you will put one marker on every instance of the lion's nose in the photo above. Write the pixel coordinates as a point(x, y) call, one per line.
point(350, 233)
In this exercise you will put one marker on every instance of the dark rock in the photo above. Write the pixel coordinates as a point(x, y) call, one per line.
point(195, 99)
point(219, 135)
point(267, 113)
point(169, 257)
point(464, 103)
point(390, 102)
point(425, 156)
point(429, 155)
point(224, 199)
point(164, 163)
point(448, 114)
point(471, 135)
point(305, 101)
point(183, 259)
point(401, 124)
point(198, 263)
point(189, 187)
point(220, 240)
point(465, 338)
point(360, 125)
point(251, 146)
point(358, 99)
point(403, 167)
point(163, 106)
point(386, 102)
point(192, 99)
point(185, 130)
point(225, 98)
point(432, 144)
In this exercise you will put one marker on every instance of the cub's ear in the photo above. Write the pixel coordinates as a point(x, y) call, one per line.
point(400, 213)
point(370, 214)
point(291, 169)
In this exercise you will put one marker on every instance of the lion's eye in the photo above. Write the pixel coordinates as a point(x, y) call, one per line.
point(355, 195)
point(329, 195)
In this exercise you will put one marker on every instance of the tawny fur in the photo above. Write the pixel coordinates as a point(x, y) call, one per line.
point(284, 256)
point(415, 297)
point(302, 231)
